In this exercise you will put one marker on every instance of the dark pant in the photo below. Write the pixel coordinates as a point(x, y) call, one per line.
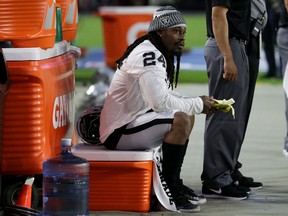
point(224, 135)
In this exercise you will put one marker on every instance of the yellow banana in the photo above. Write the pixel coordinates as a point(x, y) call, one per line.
point(224, 105)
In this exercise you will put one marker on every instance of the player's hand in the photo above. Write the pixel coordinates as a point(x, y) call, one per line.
point(230, 70)
point(207, 105)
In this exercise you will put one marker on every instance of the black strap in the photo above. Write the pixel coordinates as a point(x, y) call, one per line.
point(113, 139)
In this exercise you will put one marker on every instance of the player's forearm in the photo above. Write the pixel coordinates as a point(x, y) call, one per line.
point(286, 5)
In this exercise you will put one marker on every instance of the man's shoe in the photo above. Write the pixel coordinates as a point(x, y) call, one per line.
point(229, 192)
point(190, 194)
point(285, 150)
point(248, 183)
point(244, 189)
point(241, 180)
point(181, 202)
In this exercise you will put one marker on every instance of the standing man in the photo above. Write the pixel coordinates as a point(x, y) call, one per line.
point(228, 29)
point(282, 42)
point(257, 24)
point(142, 111)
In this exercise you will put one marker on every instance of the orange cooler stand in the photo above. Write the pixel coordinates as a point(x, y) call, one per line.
point(119, 180)
point(38, 109)
point(121, 26)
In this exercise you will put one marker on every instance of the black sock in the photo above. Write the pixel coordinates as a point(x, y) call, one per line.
point(183, 156)
point(173, 156)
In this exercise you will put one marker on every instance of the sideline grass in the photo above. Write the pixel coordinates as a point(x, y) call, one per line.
point(89, 33)
point(86, 76)
point(193, 77)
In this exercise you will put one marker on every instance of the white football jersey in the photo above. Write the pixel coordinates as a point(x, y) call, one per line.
point(140, 85)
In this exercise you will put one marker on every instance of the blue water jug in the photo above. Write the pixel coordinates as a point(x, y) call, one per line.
point(66, 184)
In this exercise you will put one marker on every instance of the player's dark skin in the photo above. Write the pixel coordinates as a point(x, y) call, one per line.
point(174, 40)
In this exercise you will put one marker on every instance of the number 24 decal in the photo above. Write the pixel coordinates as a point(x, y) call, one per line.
point(150, 59)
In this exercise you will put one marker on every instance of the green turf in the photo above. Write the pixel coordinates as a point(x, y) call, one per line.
point(196, 31)
point(89, 33)
point(193, 77)
point(272, 81)
point(85, 75)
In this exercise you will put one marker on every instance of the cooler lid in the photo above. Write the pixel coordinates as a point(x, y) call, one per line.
point(100, 153)
point(35, 53)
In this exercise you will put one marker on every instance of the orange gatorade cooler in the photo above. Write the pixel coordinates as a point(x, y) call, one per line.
point(4, 86)
point(119, 180)
point(69, 10)
point(28, 23)
point(38, 108)
point(121, 26)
